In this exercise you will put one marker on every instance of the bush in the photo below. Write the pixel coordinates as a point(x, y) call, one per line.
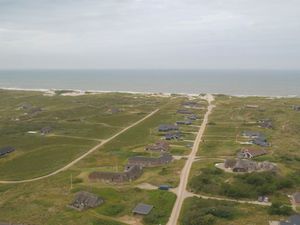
point(113, 210)
point(155, 217)
point(277, 208)
point(194, 219)
point(202, 212)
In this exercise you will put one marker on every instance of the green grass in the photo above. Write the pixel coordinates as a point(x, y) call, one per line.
point(227, 121)
point(211, 212)
point(84, 117)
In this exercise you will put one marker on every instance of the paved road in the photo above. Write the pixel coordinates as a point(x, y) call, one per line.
point(82, 156)
point(181, 191)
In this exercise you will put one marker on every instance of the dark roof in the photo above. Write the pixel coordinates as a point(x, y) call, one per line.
point(158, 146)
point(252, 134)
point(186, 122)
point(142, 209)
point(260, 142)
point(46, 130)
point(265, 123)
point(6, 150)
point(252, 152)
point(296, 107)
point(141, 160)
point(292, 220)
point(193, 117)
point(167, 127)
point(184, 111)
point(175, 135)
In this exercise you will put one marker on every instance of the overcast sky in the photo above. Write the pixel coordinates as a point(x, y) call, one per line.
point(156, 34)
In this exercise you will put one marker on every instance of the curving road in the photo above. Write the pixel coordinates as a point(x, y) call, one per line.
point(181, 191)
point(82, 156)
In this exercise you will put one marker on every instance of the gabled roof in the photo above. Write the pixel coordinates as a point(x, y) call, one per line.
point(249, 133)
point(292, 220)
point(84, 200)
point(167, 127)
point(260, 142)
point(184, 111)
point(142, 209)
point(254, 152)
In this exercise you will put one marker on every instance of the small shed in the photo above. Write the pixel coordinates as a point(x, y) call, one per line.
point(164, 187)
point(142, 209)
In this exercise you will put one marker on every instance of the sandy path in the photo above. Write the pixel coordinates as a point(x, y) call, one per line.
point(181, 189)
point(82, 156)
point(230, 200)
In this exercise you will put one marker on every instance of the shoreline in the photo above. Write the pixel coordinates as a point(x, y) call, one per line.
point(78, 92)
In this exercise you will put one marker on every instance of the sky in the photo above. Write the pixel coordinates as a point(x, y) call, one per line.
point(150, 34)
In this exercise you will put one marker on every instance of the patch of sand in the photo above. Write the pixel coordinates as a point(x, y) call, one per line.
point(146, 186)
point(131, 220)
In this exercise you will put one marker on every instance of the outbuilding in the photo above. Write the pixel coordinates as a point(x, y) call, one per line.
point(142, 209)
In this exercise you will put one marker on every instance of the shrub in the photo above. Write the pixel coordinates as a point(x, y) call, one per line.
point(277, 208)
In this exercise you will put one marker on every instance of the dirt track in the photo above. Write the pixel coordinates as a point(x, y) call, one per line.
point(181, 191)
point(82, 156)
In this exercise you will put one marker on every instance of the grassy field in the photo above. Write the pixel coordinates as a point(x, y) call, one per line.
point(82, 122)
point(222, 141)
point(209, 212)
point(78, 124)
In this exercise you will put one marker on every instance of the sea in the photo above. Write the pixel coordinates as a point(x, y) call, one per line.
point(230, 82)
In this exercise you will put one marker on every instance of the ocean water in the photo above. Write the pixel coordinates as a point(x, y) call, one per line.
point(233, 82)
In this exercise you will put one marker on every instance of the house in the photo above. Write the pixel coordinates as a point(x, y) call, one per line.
point(173, 136)
point(85, 200)
point(46, 130)
point(131, 172)
point(186, 122)
point(149, 161)
point(296, 198)
point(184, 111)
point(292, 220)
point(167, 127)
point(296, 107)
point(245, 165)
point(252, 134)
point(25, 106)
point(142, 209)
point(260, 142)
point(248, 153)
point(265, 123)
point(114, 110)
point(6, 150)
point(160, 146)
point(192, 117)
